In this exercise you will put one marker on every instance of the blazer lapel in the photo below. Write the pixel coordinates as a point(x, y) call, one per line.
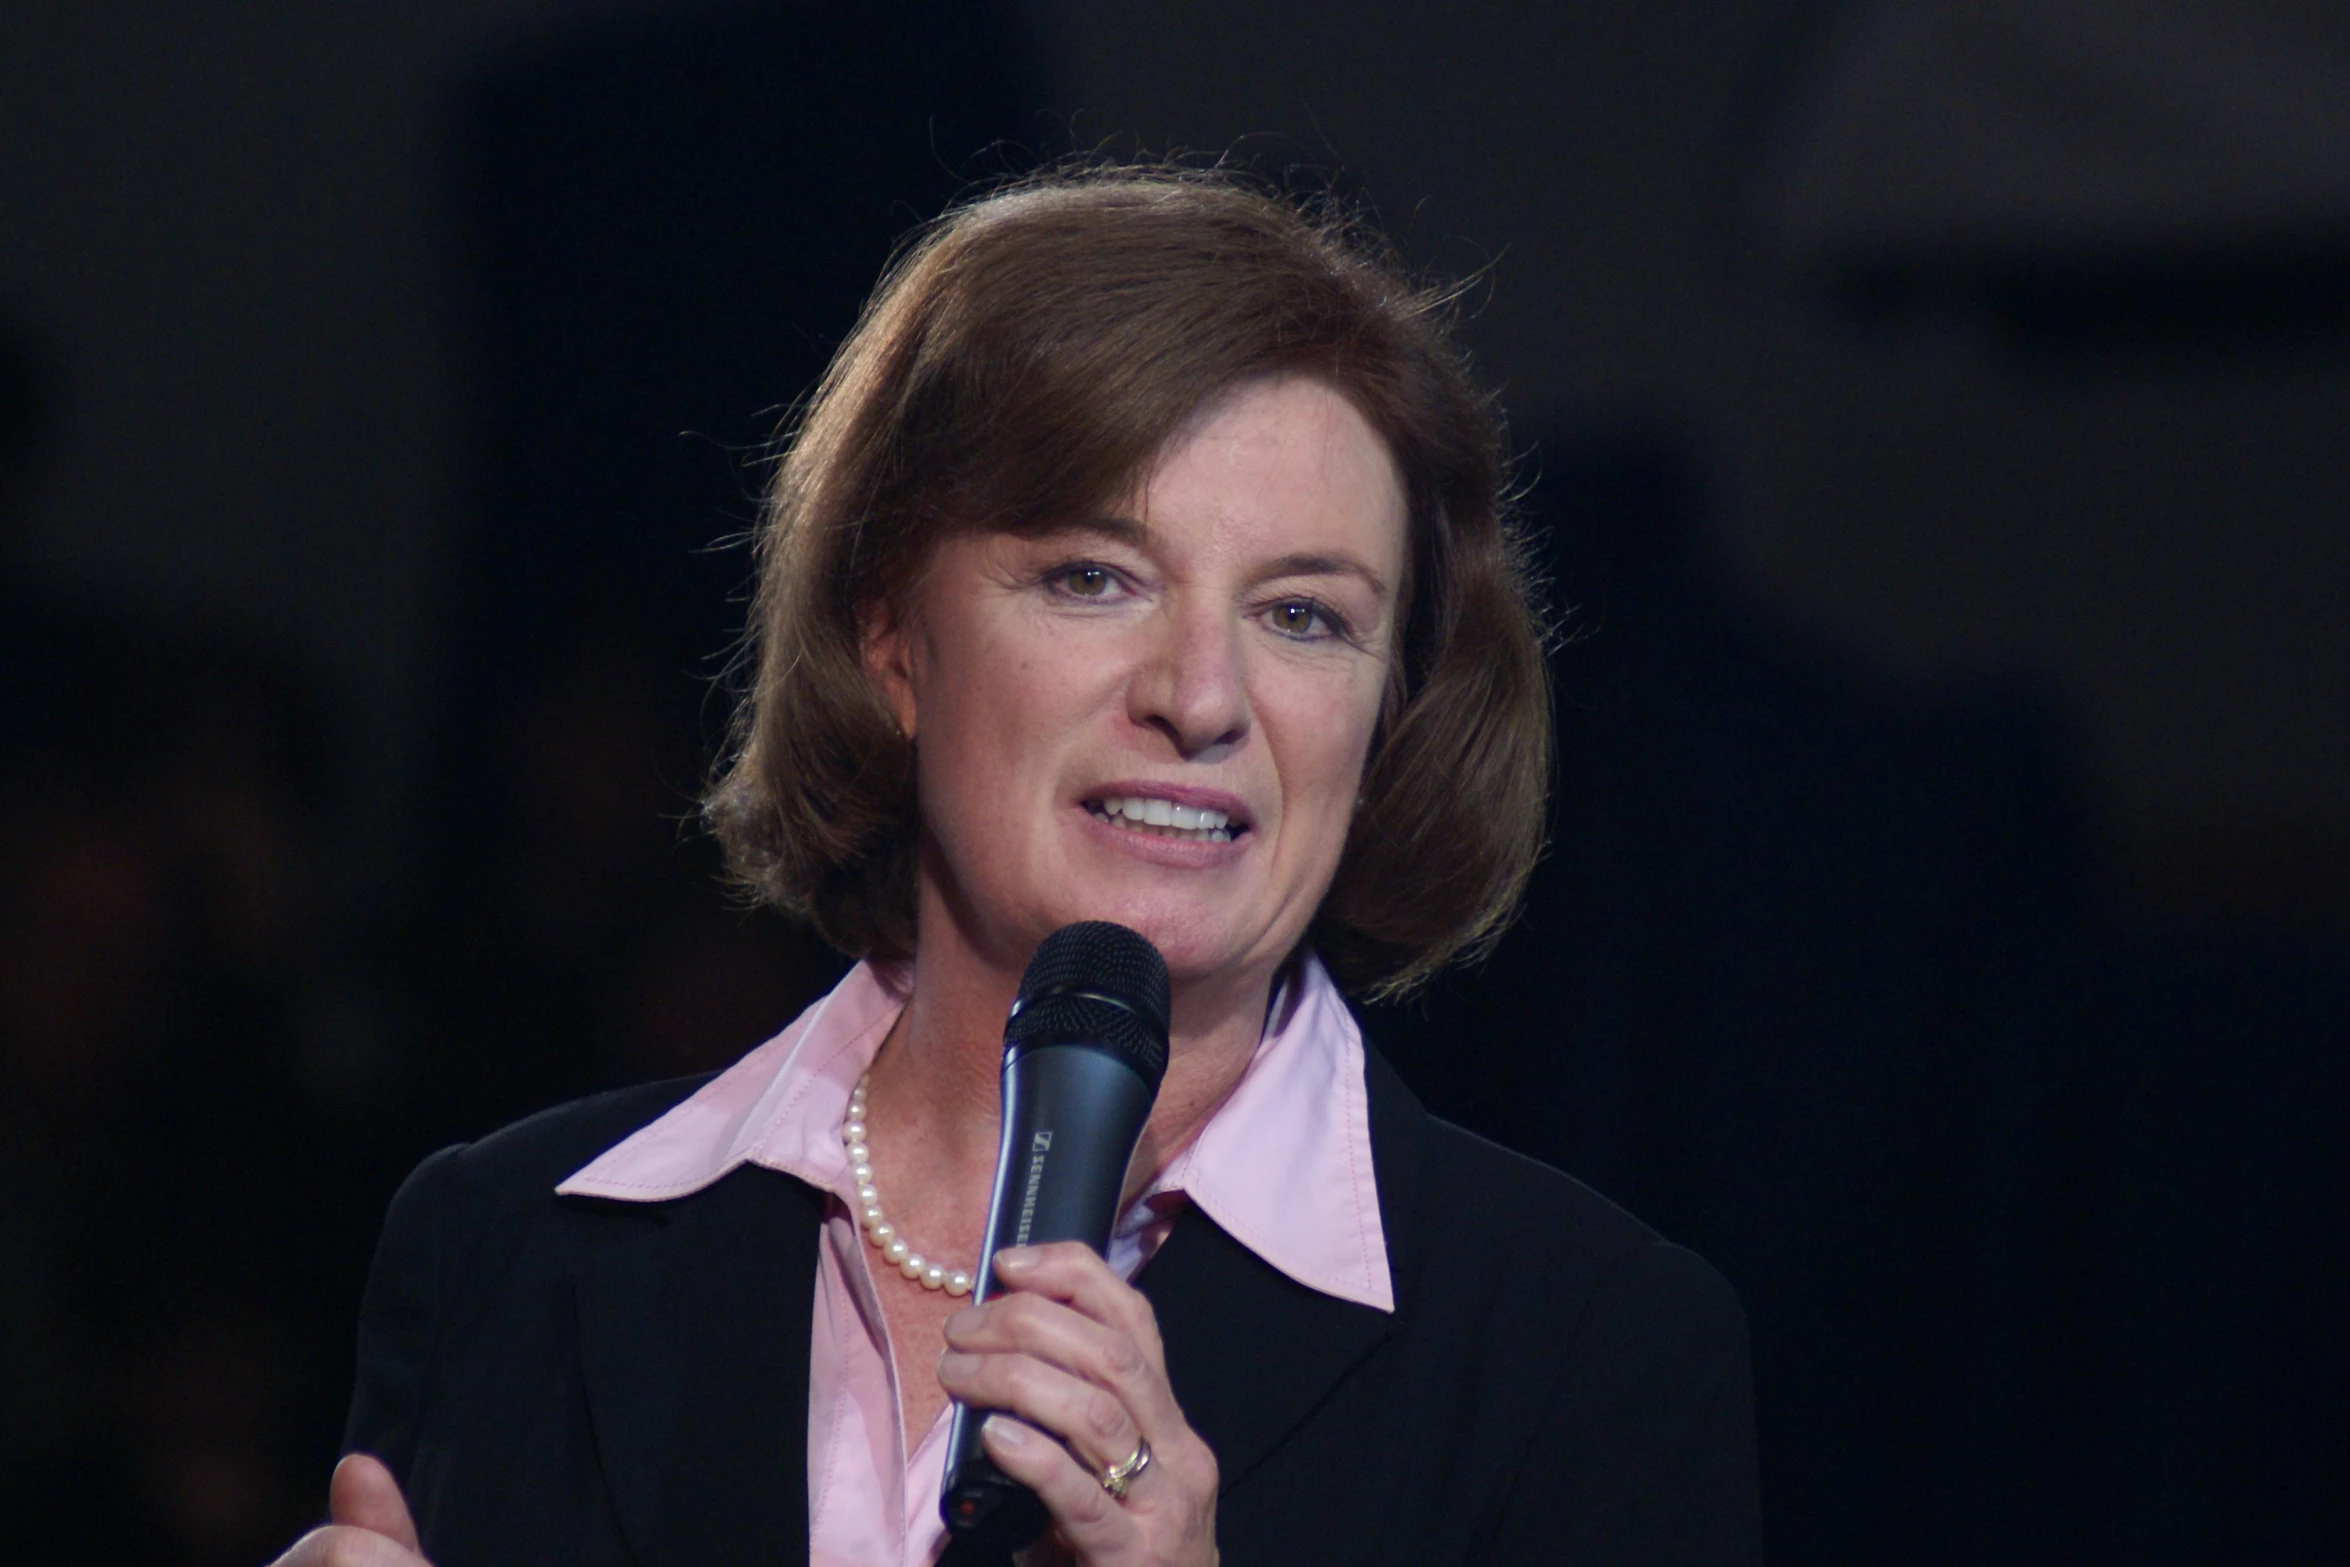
point(694, 1347)
point(1250, 1351)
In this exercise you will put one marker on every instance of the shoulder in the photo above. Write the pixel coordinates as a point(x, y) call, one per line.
point(1455, 1202)
point(471, 1213)
point(1620, 1359)
point(535, 1153)
point(1488, 1193)
point(1611, 1291)
point(1483, 1232)
point(489, 1190)
point(1480, 1199)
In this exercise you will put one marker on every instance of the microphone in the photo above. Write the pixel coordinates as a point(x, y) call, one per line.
point(1084, 1050)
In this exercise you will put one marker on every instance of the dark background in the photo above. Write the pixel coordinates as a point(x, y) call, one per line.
point(1937, 416)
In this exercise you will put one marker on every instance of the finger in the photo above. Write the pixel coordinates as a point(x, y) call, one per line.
point(340, 1545)
point(1093, 1421)
point(364, 1495)
point(1070, 1272)
point(1096, 1526)
point(1072, 1275)
point(1108, 1359)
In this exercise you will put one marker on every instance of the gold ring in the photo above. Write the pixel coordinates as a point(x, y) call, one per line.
point(1118, 1477)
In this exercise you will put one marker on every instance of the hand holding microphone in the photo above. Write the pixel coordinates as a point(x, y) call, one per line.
point(1058, 1344)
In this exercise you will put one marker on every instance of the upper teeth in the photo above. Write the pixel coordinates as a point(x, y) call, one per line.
point(1166, 813)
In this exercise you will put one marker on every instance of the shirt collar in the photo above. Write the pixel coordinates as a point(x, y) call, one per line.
point(1283, 1166)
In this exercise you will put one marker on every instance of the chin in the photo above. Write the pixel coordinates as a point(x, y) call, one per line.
point(1196, 942)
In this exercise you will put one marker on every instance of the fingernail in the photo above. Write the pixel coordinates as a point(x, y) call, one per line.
point(1014, 1258)
point(1008, 1434)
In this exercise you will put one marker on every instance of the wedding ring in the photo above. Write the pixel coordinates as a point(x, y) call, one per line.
point(1118, 1477)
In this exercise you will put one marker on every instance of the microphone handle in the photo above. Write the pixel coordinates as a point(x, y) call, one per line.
point(1072, 1115)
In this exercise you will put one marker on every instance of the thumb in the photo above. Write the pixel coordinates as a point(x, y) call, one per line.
point(363, 1495)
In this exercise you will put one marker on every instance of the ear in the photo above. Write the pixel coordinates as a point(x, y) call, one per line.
point(886, 639)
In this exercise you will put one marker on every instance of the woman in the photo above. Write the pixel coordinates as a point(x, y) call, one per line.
point(1141, 557)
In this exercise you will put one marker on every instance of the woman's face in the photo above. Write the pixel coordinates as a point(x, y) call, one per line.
point(1160, 716)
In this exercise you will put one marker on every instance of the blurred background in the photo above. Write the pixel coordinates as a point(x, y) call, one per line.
point(1937, 423)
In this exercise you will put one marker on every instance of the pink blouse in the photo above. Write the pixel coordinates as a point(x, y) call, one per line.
point(1284, 1166)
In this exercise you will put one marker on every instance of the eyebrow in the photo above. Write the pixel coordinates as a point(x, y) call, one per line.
point(1123, 530)
point(1306, 563)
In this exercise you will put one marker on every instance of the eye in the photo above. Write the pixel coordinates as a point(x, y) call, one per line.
point(1083, 580)
point(1304, 620)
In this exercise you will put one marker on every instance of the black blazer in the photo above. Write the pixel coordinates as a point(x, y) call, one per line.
point(575, 1381)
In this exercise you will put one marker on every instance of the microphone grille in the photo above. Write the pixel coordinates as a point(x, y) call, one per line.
point(1099, 981)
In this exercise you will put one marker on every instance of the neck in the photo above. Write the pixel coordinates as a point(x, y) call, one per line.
point(935, 1085)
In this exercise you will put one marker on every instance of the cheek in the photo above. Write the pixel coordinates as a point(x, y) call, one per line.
point(997, 709)
point(1327, 738)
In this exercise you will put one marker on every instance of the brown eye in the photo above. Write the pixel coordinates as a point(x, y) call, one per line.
point(1087, 582)
point(1300, 618)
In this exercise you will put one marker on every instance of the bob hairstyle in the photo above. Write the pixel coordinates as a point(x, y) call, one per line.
point(1023, 364)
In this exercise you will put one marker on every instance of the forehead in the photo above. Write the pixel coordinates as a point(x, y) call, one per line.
point(1279, 461)
point(1271, 465)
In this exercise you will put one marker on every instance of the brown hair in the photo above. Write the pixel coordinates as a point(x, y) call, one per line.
point(1023, 362)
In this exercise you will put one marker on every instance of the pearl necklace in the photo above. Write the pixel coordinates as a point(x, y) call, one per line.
point(883, 1234)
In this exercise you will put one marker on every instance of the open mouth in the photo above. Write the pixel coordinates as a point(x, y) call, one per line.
point(1165, 819)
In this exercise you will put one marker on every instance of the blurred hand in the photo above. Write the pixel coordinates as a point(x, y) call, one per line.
point(370, 1526)
point(1073, 1352)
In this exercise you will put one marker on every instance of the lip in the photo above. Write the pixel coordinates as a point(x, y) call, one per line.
point(1233, 807)
point(1177, 853)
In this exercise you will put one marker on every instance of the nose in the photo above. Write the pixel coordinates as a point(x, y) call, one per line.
point(1192, 687)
